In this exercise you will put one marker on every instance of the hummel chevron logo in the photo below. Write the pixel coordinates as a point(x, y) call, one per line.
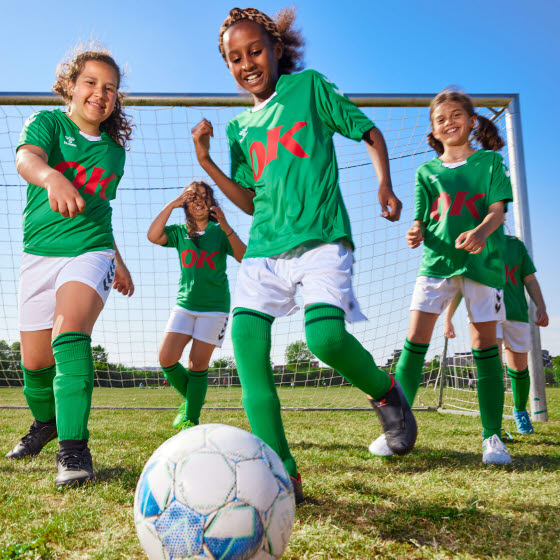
point(70, 141)
point(243, 133)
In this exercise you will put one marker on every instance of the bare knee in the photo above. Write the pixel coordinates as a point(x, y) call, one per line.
point(168, 357)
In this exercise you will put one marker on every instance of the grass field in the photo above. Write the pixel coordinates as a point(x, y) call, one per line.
point(439, 502)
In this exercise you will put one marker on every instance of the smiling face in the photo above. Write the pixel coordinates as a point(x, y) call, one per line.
point(451, 124)
point(252, 58)
point(198, 202)
point(94, 94)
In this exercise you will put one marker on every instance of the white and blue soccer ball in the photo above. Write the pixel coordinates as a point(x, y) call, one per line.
point(214, 492)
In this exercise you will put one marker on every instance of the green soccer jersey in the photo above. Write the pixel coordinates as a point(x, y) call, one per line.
point(283, 150)
point(451, 201)
point(203, 285)
point(94, 167)
point(518, 265)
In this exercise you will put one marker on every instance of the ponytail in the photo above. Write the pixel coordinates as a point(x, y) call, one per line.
point(487, 135)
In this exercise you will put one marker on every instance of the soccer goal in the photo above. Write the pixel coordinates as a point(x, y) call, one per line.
point(162, 161)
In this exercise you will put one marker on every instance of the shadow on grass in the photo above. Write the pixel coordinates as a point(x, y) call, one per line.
point(127, 478)
point(426, 459)
point(460, 530)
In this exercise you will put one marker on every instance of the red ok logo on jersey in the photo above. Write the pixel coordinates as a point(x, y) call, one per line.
point(455, 206)
point(510, 274)
point(261, 156)
point(94, 181)
point(190, 258)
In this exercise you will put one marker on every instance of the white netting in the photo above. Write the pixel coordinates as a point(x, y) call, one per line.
point(159, 164)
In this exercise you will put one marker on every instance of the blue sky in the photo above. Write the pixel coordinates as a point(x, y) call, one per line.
point(365, 46)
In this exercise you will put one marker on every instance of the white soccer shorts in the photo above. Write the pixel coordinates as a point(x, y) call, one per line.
point(322, 274)
point(206, 326)
point(483, 303)
point(40, 277)
point(516, 336)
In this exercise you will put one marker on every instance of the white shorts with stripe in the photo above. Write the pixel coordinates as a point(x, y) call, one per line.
point(322, 274)
point(206, 326)
point(40, 277)
point(483, 303)
point(516, 336)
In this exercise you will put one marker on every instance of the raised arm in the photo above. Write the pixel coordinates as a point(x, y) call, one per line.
point(237, 245)
point(156, 233)
point(534, 289)
point(32, 165)
point(239, 195)
point(475, 239)
point(377, 149)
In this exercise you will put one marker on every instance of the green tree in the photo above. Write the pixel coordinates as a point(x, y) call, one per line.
point(298, 353)
point(100, 355)
point(227, 362)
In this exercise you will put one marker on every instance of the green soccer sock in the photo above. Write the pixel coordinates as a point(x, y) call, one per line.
point(490, 389)
point(520, 385)
point(196, 393)
point(251, 337)
point(328, 339)
point(38, 391)
point(178, 377)
point(410, 368)
point(73, 384)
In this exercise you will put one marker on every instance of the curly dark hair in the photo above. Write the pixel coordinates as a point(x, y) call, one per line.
point(485, 133)
point(280, 28)
point(118, 126)
point(192, 229)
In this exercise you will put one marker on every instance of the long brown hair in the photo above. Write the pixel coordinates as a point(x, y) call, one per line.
point(118, 126)
point(210, 201)
point(485, 132)
point(280, 29)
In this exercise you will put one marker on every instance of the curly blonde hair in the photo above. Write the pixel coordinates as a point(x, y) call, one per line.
point(118, 126)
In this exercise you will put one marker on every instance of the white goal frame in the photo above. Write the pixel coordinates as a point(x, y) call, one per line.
point(507, 104)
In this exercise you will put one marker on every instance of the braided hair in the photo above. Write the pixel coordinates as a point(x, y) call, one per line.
point(280, 30)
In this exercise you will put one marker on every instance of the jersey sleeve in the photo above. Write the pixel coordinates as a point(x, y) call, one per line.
point(39, 130)
point(421, 198)
point(241, 171)
point(336, 111)
point(500, 184)
point(527, 266)
point(172, 233)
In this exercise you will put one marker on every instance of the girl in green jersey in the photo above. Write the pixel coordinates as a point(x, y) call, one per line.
point(203, 302)
point(284, 173)
point(515, 331)
point(459, 207)
point(73, 162)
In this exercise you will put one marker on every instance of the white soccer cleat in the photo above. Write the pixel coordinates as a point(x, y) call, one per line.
point(380, 448)
point(494, 452)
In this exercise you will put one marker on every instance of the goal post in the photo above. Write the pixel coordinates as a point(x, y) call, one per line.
point(162, 160)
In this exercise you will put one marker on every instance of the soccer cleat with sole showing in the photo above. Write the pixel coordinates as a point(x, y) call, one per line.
point(494, 452)
point(74, 468)
point(40, 433)
point(298, 488)
point(396, 419)
point(523, 422)
point(379, 447)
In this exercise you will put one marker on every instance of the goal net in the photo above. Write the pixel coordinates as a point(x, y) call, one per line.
point(160, 163)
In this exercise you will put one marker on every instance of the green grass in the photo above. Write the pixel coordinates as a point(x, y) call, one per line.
point(439, 502)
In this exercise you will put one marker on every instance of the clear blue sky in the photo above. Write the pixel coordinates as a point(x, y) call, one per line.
point(364, 46)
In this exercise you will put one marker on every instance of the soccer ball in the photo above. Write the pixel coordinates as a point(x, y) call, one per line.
point(214, 492)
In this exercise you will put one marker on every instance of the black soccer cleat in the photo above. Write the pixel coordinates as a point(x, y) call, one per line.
point(396, 419)
point(74, 467)
point(298, 489)
point(40, 433)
